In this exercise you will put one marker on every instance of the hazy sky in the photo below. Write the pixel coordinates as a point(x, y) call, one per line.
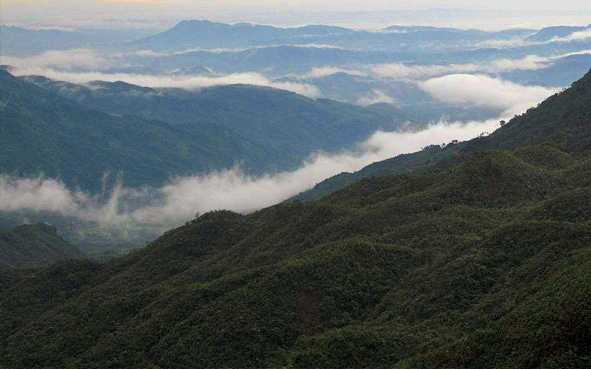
point(158, 14)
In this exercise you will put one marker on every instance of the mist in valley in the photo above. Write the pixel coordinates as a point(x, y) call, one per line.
point(448, 83)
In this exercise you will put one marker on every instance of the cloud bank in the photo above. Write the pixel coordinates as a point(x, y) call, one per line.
point(575, 36)
point(410, 72)
point(189, 82)
point(377, 97)
point(164, 54)
point(481, 90)
point(64, 60)
point(181, 198)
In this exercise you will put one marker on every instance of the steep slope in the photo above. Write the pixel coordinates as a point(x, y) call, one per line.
point(43, 132)
point(563, 119)
point(292, 125)
point(482, 265)
point(426, 270)
point(34, 245)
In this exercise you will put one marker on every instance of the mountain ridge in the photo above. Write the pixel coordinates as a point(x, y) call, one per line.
point(523, 129)
point(484, 264)
point(286, 123)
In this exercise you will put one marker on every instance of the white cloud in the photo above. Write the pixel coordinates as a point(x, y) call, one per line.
point(321, 72)
point(575, 36)
point(376, 97)
point(402, 71)
point(529, 62)
point(185, 82)
point(399, 71)
point(179, 200)
point(37, 194)
point(163, 54)
point(64, 60)
point(468, 89)
point(582, 52)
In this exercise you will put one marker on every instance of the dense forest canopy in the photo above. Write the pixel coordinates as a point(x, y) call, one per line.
point(480, 263)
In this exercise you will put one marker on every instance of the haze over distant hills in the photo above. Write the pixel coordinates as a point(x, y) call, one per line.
point(149, 162)
point(189, 108)
point(350, 65)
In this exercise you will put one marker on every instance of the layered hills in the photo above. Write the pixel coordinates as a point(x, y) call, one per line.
point(293, 125)
point(483, 264)
point(34, 245)
point(263, 129)
point(45, 133)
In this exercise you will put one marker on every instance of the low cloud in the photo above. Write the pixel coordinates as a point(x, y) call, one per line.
point(65, 60)
point(377, 97)
point(481, 90)
point(179, 200)
point(582, 52)
point(164, 54)
point(189, 82)
point(514, 43)
point(575, 36)
point(402, 71)
point(321, 72)
point(530, 62)
point(406, 72)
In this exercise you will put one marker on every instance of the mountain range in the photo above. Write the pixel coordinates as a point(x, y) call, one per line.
point(264, 129)
point(482, 262)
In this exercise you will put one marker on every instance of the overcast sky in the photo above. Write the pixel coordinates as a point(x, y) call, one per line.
point(159, 15)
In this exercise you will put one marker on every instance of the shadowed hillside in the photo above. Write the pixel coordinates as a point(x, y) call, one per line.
point(34, 245)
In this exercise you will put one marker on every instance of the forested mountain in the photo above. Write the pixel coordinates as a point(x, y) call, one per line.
point(264, 129)
point(145, 151)
point(34, 245)
point(484, 264)
point(290, 124)
point(564, 119)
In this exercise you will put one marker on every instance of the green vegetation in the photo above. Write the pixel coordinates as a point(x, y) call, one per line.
point(289, 125)
point(483, 264)
point(562, 121)
point(44, 133)
point(34, 245)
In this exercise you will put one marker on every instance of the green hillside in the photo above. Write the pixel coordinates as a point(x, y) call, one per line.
point(563, 120)
point(34, 245)
point(290, 124)
point(484, 264)
point(45, 133)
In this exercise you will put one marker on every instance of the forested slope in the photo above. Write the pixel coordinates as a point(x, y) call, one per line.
point(34, 245)
point(563, 120)
point(42, 132)
point(484, 264)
